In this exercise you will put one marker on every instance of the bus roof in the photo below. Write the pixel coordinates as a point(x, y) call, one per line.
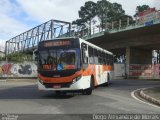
point(97, 47)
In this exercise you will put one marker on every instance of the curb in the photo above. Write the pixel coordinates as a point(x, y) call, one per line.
point(149, 98)
point(2, 80)
point(18, 80)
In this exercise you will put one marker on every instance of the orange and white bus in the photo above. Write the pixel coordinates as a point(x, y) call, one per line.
point(71, 64)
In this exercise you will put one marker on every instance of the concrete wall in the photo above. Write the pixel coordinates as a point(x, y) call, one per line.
point(119, 71)
point(147, 71)
point(139, 63)
point(141, 71)
point(156, 71)
point(18, 70)
point(29, 70)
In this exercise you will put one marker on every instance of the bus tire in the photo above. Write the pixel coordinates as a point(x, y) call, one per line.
point(89, 90)
point(108, 77)
point(108, 80)
point(60, 93)
point(57, 92)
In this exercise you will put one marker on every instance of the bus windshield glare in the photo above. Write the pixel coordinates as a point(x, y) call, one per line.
point(58, 60)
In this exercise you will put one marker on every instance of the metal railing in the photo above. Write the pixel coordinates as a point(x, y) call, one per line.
point(117, 26)
point(30, 39)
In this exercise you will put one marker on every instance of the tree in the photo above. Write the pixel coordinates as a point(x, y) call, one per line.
point(79, 25)
point(103, 11)
point(88, 12)
point(110, 12)
point(117, 12)
point(141, 9)
point(19, 57)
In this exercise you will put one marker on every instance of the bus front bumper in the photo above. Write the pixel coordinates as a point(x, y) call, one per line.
point(81, 84)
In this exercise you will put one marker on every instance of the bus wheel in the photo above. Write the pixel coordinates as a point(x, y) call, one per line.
point(108, 77)
point(60, 93)
point(108, 80)
point(89, 90)
point(57, 92)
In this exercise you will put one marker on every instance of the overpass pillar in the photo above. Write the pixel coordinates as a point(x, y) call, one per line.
point(138, 63)
point(127, 61)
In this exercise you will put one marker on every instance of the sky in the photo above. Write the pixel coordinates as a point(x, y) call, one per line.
point(18, 16)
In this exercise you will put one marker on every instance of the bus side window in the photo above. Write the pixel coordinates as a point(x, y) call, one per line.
point(84, 53)
point(95, 56)
point(112, 60)
point(102, 61)
point(100, 57)
point(107, 59)
point(91, 55)
point(103, 57)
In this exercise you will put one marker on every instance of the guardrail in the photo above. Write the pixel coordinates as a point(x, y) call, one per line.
point(117, 27)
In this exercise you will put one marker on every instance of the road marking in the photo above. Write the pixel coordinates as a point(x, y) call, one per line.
point(132, 94)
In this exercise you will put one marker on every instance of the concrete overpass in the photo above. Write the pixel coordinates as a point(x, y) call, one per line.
point(135, 41)
point(146, 37)
point(136, 44)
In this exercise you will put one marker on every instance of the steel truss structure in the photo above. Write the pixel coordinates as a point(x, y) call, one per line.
point(30, 39)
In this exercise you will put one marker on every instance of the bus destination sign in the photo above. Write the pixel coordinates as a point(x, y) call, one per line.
point(57, 43)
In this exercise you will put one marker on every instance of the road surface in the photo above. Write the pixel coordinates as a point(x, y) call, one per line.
point(24, 98)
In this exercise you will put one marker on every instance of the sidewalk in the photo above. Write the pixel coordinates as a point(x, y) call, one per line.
point(151, 94)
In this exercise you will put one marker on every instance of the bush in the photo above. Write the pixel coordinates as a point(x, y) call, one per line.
point(2, 59)
point(19, 57)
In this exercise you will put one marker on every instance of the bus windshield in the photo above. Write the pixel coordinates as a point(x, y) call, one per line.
point(58, 60)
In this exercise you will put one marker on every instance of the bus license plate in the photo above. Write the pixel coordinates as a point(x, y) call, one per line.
point(56, 86)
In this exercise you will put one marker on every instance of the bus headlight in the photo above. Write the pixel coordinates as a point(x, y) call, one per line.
point(76, 79)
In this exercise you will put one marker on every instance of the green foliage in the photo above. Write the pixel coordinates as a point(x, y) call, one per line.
point(116, 12)
point(19, 57)
point(2, 58)
point(106, 12)
point(104, 9)
point(88, 11)
point(141, 9)
point(86, 14)
point(80, 24)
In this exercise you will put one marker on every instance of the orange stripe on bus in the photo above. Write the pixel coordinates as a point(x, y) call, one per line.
point(90, 70)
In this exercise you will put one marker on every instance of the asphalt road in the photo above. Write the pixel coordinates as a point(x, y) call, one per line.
point(24, 98)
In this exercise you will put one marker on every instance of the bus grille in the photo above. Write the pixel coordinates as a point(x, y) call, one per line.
point(63, 85)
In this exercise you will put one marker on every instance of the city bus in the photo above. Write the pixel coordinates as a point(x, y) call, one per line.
point(73, 64)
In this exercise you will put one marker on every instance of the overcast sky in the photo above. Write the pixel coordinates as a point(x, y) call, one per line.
point(17, 16)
